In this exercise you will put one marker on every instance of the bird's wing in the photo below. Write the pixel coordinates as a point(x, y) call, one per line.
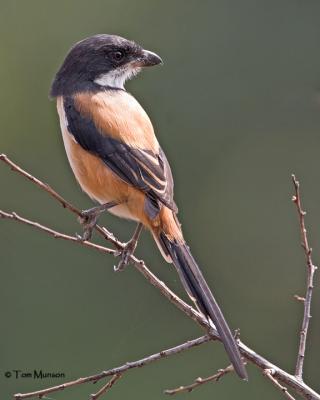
point(144, 169)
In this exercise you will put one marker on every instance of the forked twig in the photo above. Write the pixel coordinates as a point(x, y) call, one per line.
point(269, 374)
point(105, 387)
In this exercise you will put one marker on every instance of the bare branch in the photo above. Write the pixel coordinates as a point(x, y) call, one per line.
point(40, 184)
point(118, 370)
point(106, 387)
point(311, 268)
point(65, 204)
point(200, 381)
point(269, 374)
point(280, 375)
point(296, 384)
point(55, 234)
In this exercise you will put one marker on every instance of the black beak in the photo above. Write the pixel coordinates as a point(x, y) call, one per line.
point(149, 59)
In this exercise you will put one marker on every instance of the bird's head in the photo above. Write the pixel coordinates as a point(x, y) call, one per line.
point(101, 60)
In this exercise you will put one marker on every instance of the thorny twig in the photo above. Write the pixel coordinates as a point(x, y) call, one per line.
point(311, 268)
point(280, 375)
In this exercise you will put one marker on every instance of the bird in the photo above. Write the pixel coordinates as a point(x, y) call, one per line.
point(117, 160)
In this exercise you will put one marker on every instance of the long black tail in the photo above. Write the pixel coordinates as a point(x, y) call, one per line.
point(199, 291)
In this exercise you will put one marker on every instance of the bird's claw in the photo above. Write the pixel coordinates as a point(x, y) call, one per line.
point(125, 255)
point(88, 220)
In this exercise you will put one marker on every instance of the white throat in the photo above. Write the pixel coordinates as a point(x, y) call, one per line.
point(118, 77)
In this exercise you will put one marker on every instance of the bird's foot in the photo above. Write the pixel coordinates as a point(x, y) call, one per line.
point(89, 219)
point(125, 255)
point(128, 249)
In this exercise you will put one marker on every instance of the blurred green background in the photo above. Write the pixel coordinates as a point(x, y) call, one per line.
point(237, 110)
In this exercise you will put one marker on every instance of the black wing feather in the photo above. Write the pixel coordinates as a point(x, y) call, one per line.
point(142, 169)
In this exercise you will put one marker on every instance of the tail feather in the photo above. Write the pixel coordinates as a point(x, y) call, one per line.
point(199, 291)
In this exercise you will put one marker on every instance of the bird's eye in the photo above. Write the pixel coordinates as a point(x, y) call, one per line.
point(117, 55)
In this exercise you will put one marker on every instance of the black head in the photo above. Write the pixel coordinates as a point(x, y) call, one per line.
point(101, 60)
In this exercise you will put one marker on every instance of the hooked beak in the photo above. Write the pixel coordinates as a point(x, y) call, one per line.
point(148, 59)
